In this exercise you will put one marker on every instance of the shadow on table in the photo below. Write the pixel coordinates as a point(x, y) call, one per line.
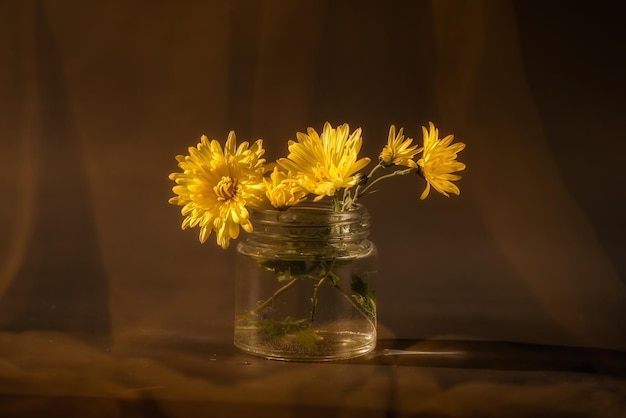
point(497, 356)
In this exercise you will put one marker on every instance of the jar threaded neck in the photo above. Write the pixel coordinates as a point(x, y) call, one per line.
point(308, 228)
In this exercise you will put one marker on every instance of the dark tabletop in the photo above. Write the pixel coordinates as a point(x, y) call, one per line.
point(158, 373)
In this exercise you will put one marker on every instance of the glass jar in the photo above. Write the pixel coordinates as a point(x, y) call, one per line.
point(304, 285)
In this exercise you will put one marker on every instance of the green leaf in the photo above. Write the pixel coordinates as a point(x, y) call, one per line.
point(364, 296)
point(284, 269)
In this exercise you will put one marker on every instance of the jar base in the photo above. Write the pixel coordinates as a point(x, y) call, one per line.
point(319, 345)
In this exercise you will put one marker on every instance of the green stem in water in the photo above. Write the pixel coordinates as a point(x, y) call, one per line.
point(314, 298)
point(337, 284)
point(269, 301)
point(328, 272)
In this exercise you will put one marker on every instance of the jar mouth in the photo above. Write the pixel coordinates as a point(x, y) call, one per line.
point(310, 223)
point(307, 212)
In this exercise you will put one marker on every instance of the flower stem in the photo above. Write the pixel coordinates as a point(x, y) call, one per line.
point(314, 298)
point(327, 272)
point(337, 207)
point(337, 284)
point(277, 293)
point(334, 281)
point(386, 176)
point(357, 192)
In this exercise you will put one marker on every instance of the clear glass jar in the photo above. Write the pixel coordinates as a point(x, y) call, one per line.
point(304, 285)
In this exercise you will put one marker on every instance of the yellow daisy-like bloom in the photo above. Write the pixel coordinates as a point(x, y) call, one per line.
point(217, 184)
point(283, 190)
point(438, 162)
point(324, 164)
point(398, 150)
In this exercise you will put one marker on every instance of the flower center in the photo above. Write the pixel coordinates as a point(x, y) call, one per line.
point(226, 189)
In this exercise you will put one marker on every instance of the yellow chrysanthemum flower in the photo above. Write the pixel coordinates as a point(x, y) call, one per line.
point(283, 190)
point(398, 150)
point(438, 162)
point(217, 184)
point(324, 164)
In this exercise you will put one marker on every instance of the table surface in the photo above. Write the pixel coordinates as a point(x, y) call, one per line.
point(159, 373)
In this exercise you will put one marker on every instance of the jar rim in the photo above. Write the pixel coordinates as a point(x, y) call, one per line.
point(313, 210)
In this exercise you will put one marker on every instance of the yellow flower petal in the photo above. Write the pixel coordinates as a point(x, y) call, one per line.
point(217, 184)
point(283, 189)
point(399, 151)
point(438, 162)
point(325, 163)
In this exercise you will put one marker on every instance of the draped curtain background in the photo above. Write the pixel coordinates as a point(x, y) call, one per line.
point(98, 97)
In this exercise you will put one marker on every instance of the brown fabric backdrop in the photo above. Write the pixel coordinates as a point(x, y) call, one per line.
point(98, 97)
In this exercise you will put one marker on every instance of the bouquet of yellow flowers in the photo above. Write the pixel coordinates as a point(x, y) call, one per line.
point(317, 253)
point(218, 185)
